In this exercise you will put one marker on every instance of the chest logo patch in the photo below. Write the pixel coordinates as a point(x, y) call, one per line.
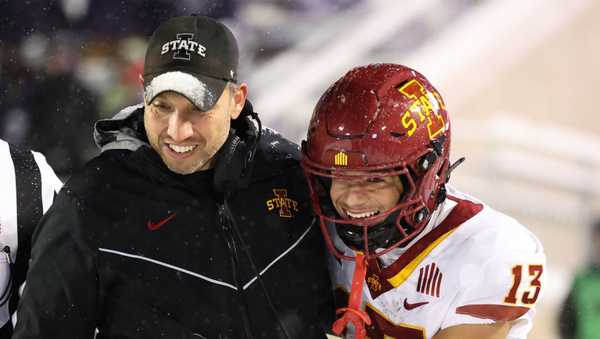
point(374, 283)
point(287, 207)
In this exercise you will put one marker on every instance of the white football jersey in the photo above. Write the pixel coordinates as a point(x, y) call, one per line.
point(471, 265)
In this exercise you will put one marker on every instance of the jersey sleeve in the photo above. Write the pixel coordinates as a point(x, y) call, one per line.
point(502, 280)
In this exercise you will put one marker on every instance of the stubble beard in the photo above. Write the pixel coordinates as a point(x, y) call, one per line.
point(203, 162)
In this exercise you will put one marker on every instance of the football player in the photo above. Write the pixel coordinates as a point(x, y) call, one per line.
point(414, 258)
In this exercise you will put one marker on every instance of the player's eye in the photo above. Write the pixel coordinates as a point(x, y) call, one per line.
point(375, 180)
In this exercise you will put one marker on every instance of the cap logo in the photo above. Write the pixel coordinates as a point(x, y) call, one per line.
point(341, 159)
point(183, 47)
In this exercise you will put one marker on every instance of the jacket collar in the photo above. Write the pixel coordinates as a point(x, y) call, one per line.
point(123, 131)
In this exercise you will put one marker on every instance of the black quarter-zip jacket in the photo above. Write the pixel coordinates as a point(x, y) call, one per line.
point(136, 251)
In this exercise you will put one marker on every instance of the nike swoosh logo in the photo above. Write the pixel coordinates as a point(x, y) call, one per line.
point(410, 306)
point(154, 226)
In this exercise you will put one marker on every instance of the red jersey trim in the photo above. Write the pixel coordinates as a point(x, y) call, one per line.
point(493, 312)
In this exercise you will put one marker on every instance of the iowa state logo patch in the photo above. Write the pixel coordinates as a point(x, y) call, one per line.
point(287, 207)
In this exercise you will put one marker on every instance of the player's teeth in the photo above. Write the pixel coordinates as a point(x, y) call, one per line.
point(361, 215)
point(181, 149)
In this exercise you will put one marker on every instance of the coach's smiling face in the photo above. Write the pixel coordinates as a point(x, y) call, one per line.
point(185, 137)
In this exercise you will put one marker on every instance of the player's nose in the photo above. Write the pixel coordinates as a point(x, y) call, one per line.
point(355, 196)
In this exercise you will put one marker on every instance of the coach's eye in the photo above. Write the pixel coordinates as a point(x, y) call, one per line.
point(160, 107)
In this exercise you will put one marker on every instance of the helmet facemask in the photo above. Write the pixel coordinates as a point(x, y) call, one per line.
point(372, 235)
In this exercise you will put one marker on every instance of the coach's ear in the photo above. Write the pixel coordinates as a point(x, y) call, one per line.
point(141, 82)
point(239, 99)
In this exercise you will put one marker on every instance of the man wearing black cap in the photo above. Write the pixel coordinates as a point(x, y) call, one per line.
point(194, 222)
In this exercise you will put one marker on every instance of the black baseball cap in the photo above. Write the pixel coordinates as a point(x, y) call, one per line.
point(194, 56)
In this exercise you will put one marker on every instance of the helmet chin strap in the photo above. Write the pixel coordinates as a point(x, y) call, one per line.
point(378, 236)
point(352, 313)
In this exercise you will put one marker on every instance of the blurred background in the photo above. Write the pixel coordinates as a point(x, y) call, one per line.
point(520, 79)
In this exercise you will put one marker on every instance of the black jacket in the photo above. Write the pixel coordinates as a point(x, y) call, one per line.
point(138, 251)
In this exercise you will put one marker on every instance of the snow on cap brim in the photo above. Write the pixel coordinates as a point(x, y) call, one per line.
point(202, 91)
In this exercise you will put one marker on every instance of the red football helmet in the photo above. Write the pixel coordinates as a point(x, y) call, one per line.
point(379, 120)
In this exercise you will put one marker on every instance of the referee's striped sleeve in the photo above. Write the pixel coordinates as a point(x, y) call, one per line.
point(51, 184)
point(29, 187)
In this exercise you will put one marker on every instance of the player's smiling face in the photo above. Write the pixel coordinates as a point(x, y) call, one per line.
point(360, 197)
point(185, 137)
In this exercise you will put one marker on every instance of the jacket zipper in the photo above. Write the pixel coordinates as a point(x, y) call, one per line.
point(234, 256)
